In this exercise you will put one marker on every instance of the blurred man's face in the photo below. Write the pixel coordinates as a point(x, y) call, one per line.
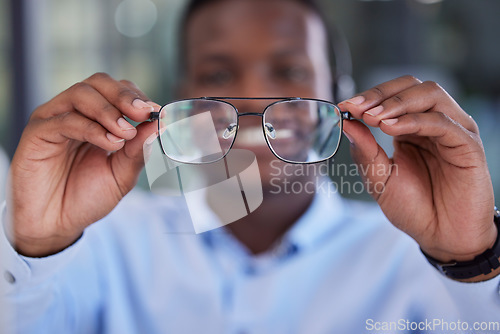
point(248, 48)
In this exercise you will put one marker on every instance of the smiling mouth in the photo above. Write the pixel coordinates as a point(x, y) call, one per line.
point(254, 136)
point(284, 134)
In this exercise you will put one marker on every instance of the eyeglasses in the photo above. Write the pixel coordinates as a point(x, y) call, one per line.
point(203, 130)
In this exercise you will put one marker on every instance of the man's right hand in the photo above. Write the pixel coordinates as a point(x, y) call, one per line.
point(75, 161)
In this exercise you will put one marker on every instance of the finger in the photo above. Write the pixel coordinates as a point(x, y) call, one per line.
point(374, 166)
point(447, 135)
point(424, 97)
point(132, 85)
point(73, 126)
point(128, 162)
point(129, 100)
point(374, 96)
point(123, 96)
point(87, 101)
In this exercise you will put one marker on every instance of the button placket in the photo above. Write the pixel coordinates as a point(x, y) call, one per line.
point(9, 277)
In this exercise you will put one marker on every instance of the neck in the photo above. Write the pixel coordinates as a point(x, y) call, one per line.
point(262, 228)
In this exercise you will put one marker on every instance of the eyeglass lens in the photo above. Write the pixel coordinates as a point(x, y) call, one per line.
point(302, 130)
point(203, 131)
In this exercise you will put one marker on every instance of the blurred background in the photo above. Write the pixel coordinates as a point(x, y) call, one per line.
point(48, 45)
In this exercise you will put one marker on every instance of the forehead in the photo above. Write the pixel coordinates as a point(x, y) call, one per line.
point(252, 23)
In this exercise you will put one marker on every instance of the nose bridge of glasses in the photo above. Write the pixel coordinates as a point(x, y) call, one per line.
point(250, 106)
point(250, 114)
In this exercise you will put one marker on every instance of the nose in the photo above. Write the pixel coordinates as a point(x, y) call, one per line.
point(256, 81)
point(251, 106)
point(250, 132)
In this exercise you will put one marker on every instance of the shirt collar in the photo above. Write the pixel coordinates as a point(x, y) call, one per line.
point(324, 214)
point(320, 219)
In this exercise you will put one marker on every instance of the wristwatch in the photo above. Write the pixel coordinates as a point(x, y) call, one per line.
point(484, 263)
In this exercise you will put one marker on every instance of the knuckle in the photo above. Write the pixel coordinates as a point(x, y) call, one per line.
point(411, 79)
point(433, 86)
point(128, 83)
point(81, 87)
point(397, 99)
point(64, 117)
point(98, 77)
point(64, 120)
point(40, 112)
point(126, 92)
point(107, 108)
point(412, 119)
point(33, 126)
point(91, 128)
point(378, 91)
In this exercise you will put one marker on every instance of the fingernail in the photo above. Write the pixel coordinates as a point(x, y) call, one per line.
point(349, 137)
point(390, 121)
point(114, 139)
point(151, 139)
point(124, 125)
point(375, 111)
point(140, 104)
point(356, 100)
point(155, 106)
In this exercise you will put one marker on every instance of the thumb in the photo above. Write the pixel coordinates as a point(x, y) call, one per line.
point(373, 164)
point(128, 162)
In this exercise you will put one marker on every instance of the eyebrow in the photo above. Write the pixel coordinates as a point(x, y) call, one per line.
point(286, 52)
point(222, 57)
point(215, 58)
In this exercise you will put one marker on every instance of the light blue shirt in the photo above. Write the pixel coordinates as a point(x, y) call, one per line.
point(342, 268)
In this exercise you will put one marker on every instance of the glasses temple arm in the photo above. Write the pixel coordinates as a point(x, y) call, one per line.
point(345, 115)
point(154, 116)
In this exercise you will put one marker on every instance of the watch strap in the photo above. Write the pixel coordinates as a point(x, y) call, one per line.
point(484, 263)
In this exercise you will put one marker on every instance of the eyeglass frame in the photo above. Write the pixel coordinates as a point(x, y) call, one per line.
point(344, 115)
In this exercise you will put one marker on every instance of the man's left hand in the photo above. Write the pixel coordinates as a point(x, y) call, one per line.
point(436, 187)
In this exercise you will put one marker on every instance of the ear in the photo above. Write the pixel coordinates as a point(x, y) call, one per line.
point(344, 88)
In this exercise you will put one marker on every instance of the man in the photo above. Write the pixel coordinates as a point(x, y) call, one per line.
point(299, 263)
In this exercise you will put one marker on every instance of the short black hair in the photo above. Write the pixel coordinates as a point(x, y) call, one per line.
point(194, 5)
point(337, 47)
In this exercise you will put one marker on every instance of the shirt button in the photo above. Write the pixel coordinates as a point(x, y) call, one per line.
point(292, 250)
point(9, 277)
point(250, 270)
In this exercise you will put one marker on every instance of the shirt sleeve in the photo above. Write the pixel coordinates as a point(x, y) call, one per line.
point(477, 302)
point(32, 299)
point(21, 270)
